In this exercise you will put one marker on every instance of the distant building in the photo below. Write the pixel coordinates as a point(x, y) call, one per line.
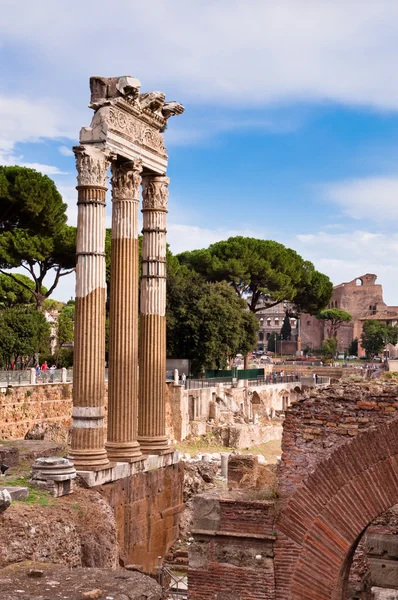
point(363, 299)
point(52, 318)
point(271, 321)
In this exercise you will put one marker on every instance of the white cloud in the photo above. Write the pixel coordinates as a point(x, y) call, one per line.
point(241, 53)
point(366, 198)
point(25, 120)
point(65, 151)
point(189, 237)
point(345, 256)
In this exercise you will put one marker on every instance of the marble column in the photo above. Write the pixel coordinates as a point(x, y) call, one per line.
point(87, 445)
point(122, 445)
point(152, 348)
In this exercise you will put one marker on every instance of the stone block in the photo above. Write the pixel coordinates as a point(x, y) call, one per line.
point(16, 492)
point(206, 512)
point(5, 500)
point(9, 456)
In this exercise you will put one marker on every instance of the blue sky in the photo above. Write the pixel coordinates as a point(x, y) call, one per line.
point(291, 123)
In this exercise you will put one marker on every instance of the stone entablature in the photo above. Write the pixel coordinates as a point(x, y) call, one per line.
point(128, 123)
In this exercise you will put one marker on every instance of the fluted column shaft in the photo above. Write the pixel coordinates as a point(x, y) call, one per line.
point(87, 443)
point(122, 442)
point(152, 348)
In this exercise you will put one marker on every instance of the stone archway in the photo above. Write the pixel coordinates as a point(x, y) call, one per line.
point(319, 527)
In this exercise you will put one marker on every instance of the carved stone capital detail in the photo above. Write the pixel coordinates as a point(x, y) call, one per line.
point(92, 165)
point(126, 180)
point(155, 192)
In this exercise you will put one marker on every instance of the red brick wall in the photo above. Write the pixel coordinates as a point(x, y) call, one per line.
point(338, 473)
point(232, 556)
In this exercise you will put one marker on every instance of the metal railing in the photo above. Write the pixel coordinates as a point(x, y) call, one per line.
point(14, 378)
point(174, 584)
point(195, 384)
point(274, 378)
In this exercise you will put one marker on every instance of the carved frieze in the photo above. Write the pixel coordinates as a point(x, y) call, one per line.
point(139, 133)
point(155, 192)
point(126, 180)
point(92, 165)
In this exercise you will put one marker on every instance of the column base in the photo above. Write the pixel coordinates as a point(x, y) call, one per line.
point(89, 460)
point(155, 445)
point(123, 451)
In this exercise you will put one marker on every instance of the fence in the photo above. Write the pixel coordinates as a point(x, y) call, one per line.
point(195, 384)
point(33, 377)
point(174, 584)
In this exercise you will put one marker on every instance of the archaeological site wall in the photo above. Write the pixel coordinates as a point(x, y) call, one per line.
point(338, 474)
point(188, 412)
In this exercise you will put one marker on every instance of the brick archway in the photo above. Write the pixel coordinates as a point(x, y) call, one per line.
point(319, 527)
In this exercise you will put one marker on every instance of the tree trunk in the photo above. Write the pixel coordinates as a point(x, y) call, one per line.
point(246, 363)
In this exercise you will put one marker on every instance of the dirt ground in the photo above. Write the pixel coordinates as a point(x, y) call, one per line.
point(42, 581)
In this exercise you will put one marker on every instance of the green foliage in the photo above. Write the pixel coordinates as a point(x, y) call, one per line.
point(334, 318)
point(286, 330)
point(33, 230)
point(329, 347)
point(64, 358)
point(376, 335)
point(17, 291)
point(51, 305)
point(271, 344)
point(206, 322)
point(263, 272)
point(24, 332)
point(64, 328)
point(353, 348)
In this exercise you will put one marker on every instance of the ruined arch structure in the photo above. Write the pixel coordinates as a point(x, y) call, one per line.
point(126, 135)
point(349, 450)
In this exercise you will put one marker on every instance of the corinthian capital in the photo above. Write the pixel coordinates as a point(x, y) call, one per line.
point(92, 165)
point(126, 180)
point(155, 192)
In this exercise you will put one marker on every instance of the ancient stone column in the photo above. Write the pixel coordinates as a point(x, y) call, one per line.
point(87, 445)
point(152, 348)
point(122, 442)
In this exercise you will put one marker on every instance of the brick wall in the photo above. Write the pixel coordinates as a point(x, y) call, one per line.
point(338, 473)
point(147, 507)
point(232, 555)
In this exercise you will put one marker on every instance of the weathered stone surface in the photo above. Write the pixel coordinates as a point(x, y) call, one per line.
point(5, 500)
point(16, 492)
point(9, 456)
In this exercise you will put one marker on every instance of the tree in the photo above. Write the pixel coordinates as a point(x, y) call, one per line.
point(33, 230)
point(353, 348)
point(206, 322)
point(271, 344)
point(286, 330)
point(15, 293)
point(334, 318)
point(329, 347)
point(24, 332)
point(64, 329)
point(263, 272)
point(376, 335)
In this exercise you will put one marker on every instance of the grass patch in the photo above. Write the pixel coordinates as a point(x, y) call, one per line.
point(36, 495)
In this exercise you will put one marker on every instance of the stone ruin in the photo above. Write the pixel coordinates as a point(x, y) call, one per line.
point(125, 134)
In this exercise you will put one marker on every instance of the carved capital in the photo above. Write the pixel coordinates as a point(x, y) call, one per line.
point(92, 165)
point(126, 180)
point(155, 192)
